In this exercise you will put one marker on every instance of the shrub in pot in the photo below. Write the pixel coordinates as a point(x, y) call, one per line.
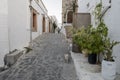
point(108, 64)
point(77, 39)
point(97, 35)
point(84, 40)
point(75, 48)
point(95, 43)
point(95, 47)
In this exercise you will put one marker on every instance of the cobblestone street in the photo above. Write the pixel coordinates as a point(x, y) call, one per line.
point(44, 62)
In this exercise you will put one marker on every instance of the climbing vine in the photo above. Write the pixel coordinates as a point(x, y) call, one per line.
point(97, 13)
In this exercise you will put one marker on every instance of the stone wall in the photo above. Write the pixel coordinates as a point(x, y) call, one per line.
point(66, 6)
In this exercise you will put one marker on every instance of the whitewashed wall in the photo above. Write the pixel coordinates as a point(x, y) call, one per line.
point(17, 21)
point(40, 8)
point(111, 18)
point(4, 46)
point(15, 26)
point(83, 8)
point(47, 25)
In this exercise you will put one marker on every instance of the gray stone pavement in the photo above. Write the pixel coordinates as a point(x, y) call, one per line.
point(44, 62)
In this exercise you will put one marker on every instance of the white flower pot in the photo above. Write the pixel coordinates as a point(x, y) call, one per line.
point(108, 70)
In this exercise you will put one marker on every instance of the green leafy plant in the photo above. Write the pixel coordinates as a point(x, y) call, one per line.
point(90, 39)
point(97, 10)
point(95, 39)
point(109, 49)
point(80, 37)
point(107, 44)
point(99, 33)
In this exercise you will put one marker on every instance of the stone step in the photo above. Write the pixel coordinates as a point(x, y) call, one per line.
point(11, 58)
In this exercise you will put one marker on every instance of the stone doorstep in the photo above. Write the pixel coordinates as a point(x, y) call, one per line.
point(12, 58)
point(84, 70)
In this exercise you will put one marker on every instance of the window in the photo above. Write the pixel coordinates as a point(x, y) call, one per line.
point(34, 28)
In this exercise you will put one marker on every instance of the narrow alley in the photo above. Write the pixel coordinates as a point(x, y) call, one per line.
point(44, 62)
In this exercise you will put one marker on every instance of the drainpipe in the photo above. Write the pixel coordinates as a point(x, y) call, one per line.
point(9, 46)
point(31, 22)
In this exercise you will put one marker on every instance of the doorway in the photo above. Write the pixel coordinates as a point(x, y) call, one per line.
point(43, 24)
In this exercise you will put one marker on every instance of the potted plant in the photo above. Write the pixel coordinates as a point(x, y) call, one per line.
point(93, 41)
point(78, 39)
point(86, 41)
point(75, 41)
point(97, 36)
point(108, 64)
point(95, 44)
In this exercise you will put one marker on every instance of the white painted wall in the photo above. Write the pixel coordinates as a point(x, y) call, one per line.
point(41, 9)
point(111, 18)
point(17, 21)
point(4, 48)
point(15, 26)
point(47, 25)
point(82, 8)
point(38, 9)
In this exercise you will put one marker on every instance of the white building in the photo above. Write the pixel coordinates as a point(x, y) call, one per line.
point(21, 21)
point(54, 22)
point(111, 18)
point(4, 48)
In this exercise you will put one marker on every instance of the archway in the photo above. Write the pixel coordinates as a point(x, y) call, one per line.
point(70, 17)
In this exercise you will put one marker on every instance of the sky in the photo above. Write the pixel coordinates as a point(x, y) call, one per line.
point(54, 7)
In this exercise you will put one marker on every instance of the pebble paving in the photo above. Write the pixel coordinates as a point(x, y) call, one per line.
point(44, 62)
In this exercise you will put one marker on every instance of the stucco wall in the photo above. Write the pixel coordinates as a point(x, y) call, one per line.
point(4, 48)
